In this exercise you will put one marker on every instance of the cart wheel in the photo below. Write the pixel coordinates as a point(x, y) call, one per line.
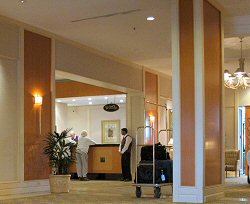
point(157, 192)
point(248, 179)
point(138, 191)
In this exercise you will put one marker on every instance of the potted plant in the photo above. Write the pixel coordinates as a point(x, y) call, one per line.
point(57, 148)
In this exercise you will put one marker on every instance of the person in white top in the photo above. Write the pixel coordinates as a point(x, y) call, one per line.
point(82, 155)
point(125, 150)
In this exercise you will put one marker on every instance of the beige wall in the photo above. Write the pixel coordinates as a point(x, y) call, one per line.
point(165, 86)
point(9, 40)
point(9, 106)
point(233, 100)
point(85, 63)
point(231, 120)
point(61, 117)
point(8, 120)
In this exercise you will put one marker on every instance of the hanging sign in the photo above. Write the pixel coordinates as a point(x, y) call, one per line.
point(111, 107)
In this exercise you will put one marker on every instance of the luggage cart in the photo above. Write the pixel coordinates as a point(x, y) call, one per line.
point(156, 186)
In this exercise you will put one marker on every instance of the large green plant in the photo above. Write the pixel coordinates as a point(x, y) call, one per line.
point(58, 151)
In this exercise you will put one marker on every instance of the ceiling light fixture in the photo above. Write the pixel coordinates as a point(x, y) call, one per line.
point(239, 79)
point(150, 18)
point(22, 1)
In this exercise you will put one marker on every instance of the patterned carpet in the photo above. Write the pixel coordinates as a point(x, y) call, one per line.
point(120, 192)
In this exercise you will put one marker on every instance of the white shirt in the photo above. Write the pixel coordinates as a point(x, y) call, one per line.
point(83, 144)
point(127, 143)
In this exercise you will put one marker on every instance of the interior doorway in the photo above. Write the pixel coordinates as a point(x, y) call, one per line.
point(242, 138)
point(77, 107)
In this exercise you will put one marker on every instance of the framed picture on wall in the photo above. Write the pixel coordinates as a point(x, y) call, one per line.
point(111, 133)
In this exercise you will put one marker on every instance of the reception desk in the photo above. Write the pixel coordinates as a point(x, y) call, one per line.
point(103, 159)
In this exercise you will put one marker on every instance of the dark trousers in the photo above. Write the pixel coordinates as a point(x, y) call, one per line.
point(126, 173)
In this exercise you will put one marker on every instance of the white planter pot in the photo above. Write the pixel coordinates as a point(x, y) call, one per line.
point(59, 183)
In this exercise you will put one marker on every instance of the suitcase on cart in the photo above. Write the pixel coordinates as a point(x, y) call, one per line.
point(145, 171)
point(147, 152)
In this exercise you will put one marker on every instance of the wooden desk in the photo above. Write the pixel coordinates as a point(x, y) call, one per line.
point(103, 158)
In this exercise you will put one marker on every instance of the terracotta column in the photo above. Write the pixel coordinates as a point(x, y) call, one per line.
point(197, 100)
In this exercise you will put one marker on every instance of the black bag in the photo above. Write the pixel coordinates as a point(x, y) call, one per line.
point(147, 152)
point(145, 171)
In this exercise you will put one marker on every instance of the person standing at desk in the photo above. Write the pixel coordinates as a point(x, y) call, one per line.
point(74, 136)
point(125, 150)
point(82, 155)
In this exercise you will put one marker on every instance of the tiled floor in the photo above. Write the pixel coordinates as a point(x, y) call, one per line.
point(236, 191)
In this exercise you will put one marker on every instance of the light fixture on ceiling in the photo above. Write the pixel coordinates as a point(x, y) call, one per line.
point(22, 1)
point(239, 79)
point(150, 18)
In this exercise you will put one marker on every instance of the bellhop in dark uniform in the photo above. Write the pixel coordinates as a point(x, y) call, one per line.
point(125, 150)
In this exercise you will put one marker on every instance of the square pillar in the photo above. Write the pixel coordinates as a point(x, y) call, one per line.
point(197, 101)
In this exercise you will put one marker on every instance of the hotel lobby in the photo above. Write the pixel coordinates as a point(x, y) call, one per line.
point(176, 72)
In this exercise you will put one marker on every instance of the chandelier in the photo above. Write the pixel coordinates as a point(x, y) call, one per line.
point(239, 79)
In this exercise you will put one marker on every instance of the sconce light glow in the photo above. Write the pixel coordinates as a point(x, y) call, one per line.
point(106, 97)
point(59, 101)
point(121, 101)
point(38, 100)
point(74, 100)
point(152, 118)
point(150, 18)
point(90, 103)
point(89, 99)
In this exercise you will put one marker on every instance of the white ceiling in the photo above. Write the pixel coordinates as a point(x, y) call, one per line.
point(129, 35)
point(95, 100)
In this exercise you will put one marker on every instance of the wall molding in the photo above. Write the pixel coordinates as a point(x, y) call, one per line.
point(199, 98)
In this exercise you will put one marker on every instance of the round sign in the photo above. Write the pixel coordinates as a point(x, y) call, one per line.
point(111, 107)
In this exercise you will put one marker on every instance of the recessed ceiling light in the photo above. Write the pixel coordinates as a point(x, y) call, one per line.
point(73, 99)
point(150, 18)
point(121, 101)
point(59, 101)
point(22, 1)
point(106, 97)
point(90, 103)
point(89, 99)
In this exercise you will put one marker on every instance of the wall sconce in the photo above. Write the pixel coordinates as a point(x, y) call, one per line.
point(38, 100)
point(152, 118)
